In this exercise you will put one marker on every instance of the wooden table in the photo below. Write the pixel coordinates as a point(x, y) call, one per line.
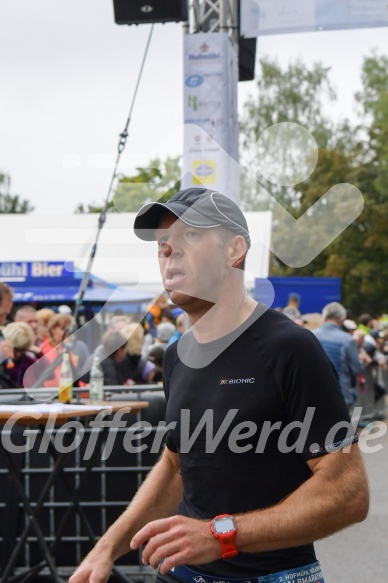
point(42, 416)
point(83, 409)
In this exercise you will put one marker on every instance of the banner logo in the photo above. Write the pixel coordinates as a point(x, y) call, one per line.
point(194, 80)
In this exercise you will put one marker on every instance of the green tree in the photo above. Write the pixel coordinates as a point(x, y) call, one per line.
point(296, 94)
point(12, 203)
point(369, 274)
point(159, 180)
point(334, 167)
point(355, 153)
point(360, 254)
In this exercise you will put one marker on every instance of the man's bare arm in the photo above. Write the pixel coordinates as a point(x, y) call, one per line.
point(157, 498)
point(335, 497)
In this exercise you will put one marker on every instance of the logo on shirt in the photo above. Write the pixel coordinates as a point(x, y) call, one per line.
point(236, 381)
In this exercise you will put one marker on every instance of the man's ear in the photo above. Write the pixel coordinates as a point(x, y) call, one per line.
point(237, 251)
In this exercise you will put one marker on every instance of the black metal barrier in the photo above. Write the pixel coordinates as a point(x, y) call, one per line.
point(113, 481)
point(115, 477)
point(372, 394)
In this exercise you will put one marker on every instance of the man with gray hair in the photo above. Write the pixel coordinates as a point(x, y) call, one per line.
point(341, 348)
point(27, 314)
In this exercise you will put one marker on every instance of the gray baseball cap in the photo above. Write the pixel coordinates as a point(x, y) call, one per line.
point(197, 207)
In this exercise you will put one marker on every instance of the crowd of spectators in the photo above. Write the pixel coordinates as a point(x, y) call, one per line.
point(33, 340)
point(350, 345)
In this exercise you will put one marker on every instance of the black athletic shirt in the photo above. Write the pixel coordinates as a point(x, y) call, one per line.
point(269, 371)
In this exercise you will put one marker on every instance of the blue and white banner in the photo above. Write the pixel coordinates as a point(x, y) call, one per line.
point(13, 271)
point(259, 17)
point(210, 113)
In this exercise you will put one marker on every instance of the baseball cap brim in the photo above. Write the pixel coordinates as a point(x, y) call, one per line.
point(196, 207)
point(149, 217)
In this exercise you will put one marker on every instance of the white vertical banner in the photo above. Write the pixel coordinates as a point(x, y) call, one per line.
point(210, 113)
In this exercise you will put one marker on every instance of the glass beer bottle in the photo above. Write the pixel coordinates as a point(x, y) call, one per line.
point(66, 380)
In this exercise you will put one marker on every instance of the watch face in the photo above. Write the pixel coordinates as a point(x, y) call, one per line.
point(223, 525)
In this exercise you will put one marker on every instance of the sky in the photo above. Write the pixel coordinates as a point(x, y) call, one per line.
point(68, 75)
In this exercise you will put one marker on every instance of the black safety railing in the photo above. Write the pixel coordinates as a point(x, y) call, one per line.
point(117, 472)
point(48, 393)
point(373, 394)
point(121, 463)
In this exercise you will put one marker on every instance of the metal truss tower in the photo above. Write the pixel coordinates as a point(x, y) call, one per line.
point(213, 16)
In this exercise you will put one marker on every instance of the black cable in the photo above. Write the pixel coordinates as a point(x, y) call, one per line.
point(102, 218)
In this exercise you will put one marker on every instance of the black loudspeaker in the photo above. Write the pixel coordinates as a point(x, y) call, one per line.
point(246, 58)
point(149, 11)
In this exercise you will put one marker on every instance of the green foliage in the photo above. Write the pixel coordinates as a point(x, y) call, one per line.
point(370, 273)
point(93, 208)
point(298, 93)
point(158, 181)
point(293, 95)
point(12, 203)
point(355, 153)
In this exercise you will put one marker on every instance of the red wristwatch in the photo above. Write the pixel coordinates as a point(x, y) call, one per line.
point(224, 529)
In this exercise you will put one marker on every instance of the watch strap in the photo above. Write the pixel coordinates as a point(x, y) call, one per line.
point(227, 540)
point(228, 545)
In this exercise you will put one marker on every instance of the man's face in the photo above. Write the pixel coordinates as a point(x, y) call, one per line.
point(193, 262)
point(31, 319)
point(5, 309)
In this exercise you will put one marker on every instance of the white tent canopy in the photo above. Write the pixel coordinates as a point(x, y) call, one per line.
point(121, 257)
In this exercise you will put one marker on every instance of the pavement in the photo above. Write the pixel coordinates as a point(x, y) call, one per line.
point(359, 554)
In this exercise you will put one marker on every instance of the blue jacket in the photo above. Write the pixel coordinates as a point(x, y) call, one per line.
point(341, 348)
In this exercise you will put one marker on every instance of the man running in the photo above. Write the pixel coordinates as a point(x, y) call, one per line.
point(255, 466)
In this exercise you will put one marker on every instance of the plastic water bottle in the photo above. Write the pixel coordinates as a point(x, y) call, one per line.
point(65, 380)
point(96, 388)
